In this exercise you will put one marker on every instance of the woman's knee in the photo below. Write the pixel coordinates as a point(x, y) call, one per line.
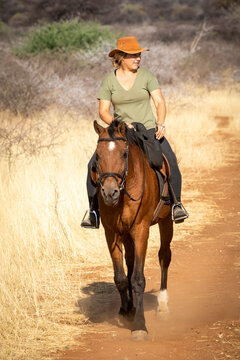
point(91, 162)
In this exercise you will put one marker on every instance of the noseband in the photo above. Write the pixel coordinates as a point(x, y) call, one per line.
point(103, 176)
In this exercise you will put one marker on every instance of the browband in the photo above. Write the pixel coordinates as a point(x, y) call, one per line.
point(113, 139)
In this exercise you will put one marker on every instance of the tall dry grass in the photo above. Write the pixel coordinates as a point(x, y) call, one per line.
point(44, 254)
point(194, 123)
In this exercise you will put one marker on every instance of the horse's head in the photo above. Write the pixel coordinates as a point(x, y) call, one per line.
point(112, 160)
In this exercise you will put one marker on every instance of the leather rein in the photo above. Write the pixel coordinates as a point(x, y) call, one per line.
point(122, 177)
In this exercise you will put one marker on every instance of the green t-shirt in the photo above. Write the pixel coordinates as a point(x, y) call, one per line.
point(133, 104)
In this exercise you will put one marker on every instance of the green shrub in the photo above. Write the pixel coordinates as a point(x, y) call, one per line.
point(18, 19)
point(65, 36)
point(4, 29)
point(134, 8)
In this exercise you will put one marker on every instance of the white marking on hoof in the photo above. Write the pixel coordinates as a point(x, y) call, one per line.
point(111, 145)
point(139, 335)
point(163, 301)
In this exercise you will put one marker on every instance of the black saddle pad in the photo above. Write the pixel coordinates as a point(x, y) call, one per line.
point(150, 145)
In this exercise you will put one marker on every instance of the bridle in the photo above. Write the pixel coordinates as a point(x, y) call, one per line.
point(103, 176)
point(117, 176)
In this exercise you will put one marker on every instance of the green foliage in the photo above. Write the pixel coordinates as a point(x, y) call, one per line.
point(65, 36)
point(18, 19)
point(134, 8)
point(4, 29)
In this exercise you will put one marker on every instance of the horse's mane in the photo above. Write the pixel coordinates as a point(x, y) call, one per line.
point(130, 133)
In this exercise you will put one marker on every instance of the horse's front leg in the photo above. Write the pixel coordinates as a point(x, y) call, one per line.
point(129, 257)
point(114, 242)
point(140, 236)
point(164, 254)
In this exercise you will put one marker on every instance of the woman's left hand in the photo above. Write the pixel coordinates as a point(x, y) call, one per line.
point(130, 126)
point(160, 131)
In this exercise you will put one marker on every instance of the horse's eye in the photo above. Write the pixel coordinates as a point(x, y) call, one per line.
point(125, 155)
point(97, 157)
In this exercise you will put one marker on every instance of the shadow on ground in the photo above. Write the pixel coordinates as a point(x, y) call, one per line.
point(102, 304)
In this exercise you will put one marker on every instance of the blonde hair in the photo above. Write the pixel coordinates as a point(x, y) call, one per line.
point(117, 58)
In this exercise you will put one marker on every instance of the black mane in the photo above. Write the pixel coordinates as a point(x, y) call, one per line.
point(131, 134)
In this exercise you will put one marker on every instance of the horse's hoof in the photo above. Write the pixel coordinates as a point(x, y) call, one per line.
point(139, 335)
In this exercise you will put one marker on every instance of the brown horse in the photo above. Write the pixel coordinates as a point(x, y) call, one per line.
point(128, 195)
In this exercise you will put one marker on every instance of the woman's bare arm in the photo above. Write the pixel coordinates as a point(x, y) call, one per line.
point(104, 111)
point(159, 102)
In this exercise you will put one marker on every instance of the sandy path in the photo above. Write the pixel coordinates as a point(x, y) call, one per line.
point(204, 287)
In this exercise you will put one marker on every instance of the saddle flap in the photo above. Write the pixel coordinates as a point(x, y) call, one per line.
point(165, 169)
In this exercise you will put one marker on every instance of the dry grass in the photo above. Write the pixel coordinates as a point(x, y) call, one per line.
point(194, 123)
point(45, 255)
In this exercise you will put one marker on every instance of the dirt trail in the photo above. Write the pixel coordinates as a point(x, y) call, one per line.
point(203, 287)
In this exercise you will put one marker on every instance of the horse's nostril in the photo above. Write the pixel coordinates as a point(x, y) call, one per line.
point(110, 195)
point(114, 192)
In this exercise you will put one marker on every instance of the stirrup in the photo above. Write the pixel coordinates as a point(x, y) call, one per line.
point(90, 220)
point(183, 214)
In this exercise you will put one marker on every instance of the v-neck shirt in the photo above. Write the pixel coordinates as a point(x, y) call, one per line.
point(133, 104)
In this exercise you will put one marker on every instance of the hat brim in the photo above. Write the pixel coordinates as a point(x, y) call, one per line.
point(136, 51)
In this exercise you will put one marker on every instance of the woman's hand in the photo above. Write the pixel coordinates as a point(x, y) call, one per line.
point(130, 126)
point(160, 131)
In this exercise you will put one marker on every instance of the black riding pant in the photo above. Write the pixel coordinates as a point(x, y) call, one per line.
point(175, 179)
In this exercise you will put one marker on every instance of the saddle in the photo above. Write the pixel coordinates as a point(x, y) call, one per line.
point(158, 162)
point(163, 175)
point(150, 146)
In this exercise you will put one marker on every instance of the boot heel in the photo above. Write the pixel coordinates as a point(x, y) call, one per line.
point(90, 220)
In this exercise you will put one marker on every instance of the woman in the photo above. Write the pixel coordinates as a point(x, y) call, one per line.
point(130, 88)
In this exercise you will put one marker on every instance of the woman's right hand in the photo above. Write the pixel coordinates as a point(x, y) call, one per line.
point(160, 131)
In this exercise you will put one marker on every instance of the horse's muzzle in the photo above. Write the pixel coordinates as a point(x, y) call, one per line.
point(110, 193)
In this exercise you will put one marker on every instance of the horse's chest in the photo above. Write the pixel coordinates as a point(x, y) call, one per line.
point(118, 222)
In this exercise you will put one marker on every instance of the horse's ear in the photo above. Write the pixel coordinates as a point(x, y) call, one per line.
point(98, 128)
point(121, 128)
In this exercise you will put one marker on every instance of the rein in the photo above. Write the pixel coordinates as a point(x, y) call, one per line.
point(117, 175)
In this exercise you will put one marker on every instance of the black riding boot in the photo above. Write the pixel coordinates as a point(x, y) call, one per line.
point(91, 217)
point(179, 213)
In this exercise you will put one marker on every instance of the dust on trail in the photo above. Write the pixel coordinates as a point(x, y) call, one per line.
point(203, 285)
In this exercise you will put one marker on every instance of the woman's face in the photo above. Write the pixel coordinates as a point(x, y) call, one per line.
point(131, 61)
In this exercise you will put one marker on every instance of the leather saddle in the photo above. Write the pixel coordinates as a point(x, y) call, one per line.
point(163, 175)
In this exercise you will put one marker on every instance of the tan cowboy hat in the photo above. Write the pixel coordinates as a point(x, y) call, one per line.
point(129, 45)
